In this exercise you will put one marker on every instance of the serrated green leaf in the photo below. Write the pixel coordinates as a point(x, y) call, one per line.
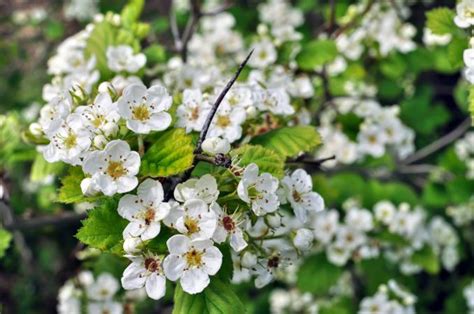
point(316, 53)
point(427, 259)
point(103, 228)
point(289, 141)
point(266, 159)
point(218, 297)
point(5, 239)
point(70, 190)
point(441, 21)
point(317, 275)
point(170, 154)
point(455, 52)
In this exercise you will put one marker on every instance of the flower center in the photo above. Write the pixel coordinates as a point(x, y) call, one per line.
point(193, 258)
point(228, 223)
point(273, 262)
point(263, 55)
point(191, 224)
point(98, 120)
point(372, 139)
point(223, 121)
point(116, 170)
point(296, 196)
point(141, 113)
point(233, 100)
point(149, 215)
point(152, 265)
point(70, 141)
point(195, 113)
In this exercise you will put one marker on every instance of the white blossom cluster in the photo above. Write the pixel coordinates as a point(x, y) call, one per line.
point(390, 298)
point(380, 130)
point(464, 149)
point(468, 293)
point(95, 295)
point(463, 20)
point(462, 214)
point(283, 301)
point(360, 235)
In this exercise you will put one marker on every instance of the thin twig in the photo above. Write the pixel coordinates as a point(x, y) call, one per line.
point(174, 29)
point(354, 21)
point(440, 143)
point(46, 221)
point(313, 162)
point(190, 28)
point(332, 16)
point(216, 104)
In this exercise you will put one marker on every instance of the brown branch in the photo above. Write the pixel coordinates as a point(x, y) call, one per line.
point(332, 16)
point(46, 221)
point(312, 162)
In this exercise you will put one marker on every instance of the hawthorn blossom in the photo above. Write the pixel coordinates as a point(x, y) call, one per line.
point(114, 169)
point(192, 262)
point(464, 14)
point(298, 190)
point(264, 54)
point(228, 227)
point(145, 271)
point(145, 109)
point(275, 100)
point(144, 210)
point(258, 190)
point(53, 114)
point(109, 307)
point(227, 122)
point(192, 113)
point(103, 288)
point(205, 188)
point(102, 115)
point(215, 145)
point(121, 58)
point(197, 220)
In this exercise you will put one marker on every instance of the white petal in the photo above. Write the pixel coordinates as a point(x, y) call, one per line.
point(133, 277)
point(194, 281)
point(126, 184)
point(151, 231)
point(173, 266)
point(155, 286)
point(133, 229)
point(151, 191)
point(302, 180)
point(129, 206)
point(213, 260)
point(237, 241)
point(159, 121)
point(178, 244)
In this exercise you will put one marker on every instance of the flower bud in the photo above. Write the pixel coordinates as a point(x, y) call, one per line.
point(130, 245)
point(248, 259)
point(216, 145)
point(251, 112)
point(87, 187)
point(100, 141)
point(303, 239)
point(36, 129)
point(274, 221)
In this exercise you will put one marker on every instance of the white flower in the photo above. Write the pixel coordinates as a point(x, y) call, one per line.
point(360, 219)
point(275, 100)
point(192, 113)
point(372, 140)
point(227, 122)
point(228, 226)
point(191, 261)
point(379, 303)
point(144, 210)
point(216, 145)
point(109, 307)
point(325, 225)
point(303, 239)
point(468, 57)
point(384, 211)
point(197, 220)
point(302, 87)
point(204, 188)
point(104, 288)
point(53, 114)
point(264, 54)
point(114, 169)
point(69, 142)
point(431, 39)
point(338, 254)
point(146, 271)
point(144, 109)
point(464, 14)
point(102, 116)
point(121, 58)
point(258, 190)
point(298, 190)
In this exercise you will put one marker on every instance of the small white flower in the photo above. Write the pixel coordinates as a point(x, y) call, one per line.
point(146, 271)
point(192, 113)
point(109, 307)
point(248, 259)
point(114, 169)
point(144, 210)
point(216, 145)
point(102, 116)
point(264, 54)
point(302, 87)
point(303, 239)
point(227, 122)
point(275, 100)
point(104, 288)
point(464, 14)
point(145, 109)
point(121, 58)
point(360, 219)
point(53, 114)
point(384, 211)
point(228, 226)
point(258, 190)
point(197, 220)
point(204, 188)
point(372, 139)
point(191, 261)
point(338, 254)
point(298, 190)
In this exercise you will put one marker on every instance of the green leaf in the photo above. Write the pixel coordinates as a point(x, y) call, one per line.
point(341, 305)
point(70, 190)
point(170, 154)
point(41, 168)
point(455, 52)
point(427, 259)
point(289, 141)
point(218, 297)
point(103, 228)
point(471, 102)
point(266, 159)
point(131, 12)
point(317, 275)
point(316, 53)
point(155, 54)
point(5, 239)
point(441, 21)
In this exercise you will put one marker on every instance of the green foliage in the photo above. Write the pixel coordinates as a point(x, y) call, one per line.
point(12, 149)
point(441, 21)
point(317, 275)
point(471, 102)
point(341, 305)
point(110, 263)
point(5, 239)
point(103, 228)
point(289, 141)
point(171, 153)
point(316, 53)
point(131, 12)
point(266, 159)
point(427, 259)
point(41, 168)
point(70, 190)
point(155, 54)
point(218, 297)
point(455, 52)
